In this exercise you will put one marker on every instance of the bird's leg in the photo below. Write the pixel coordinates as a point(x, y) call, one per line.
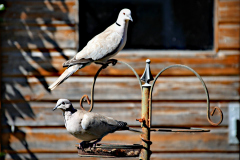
point(94, 144)
point(105, 64)
point(83, 144)
point(113, 61)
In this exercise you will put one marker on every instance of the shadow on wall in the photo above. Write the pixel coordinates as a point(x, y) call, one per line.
point(26, 27)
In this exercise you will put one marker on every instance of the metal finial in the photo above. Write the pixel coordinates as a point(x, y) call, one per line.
point(147, 75)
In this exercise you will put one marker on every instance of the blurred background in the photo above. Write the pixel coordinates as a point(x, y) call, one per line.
point(37, 36)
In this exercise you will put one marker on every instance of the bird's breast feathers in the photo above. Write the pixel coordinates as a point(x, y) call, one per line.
point(101, 45)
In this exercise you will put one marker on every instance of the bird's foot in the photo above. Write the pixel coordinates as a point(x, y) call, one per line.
point(83, 145)
point(94, 144)
point(106, 64)
point(113, 61)
point(87, 146)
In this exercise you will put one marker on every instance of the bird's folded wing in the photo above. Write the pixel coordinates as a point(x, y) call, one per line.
point(74, 61)
point(97, 48)
point(98, 125)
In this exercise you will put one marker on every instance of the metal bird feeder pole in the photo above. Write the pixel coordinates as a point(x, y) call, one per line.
point(145, 124)
point(146, 115)
point(146, 118)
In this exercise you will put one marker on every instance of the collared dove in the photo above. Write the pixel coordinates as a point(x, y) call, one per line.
point(88, 126)
point(100, 48)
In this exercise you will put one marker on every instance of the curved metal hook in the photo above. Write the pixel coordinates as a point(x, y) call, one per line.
point(137, 76)
point(205, 88)
point(212, 113)
point(94, 80)
point(92, 91)
point(82, 99)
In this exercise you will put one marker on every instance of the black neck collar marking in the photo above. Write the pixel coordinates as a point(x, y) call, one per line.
point(118, 24)
point(72, 110)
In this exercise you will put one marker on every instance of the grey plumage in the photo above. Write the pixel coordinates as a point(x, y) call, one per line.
point(88, 126)
point(100, 48)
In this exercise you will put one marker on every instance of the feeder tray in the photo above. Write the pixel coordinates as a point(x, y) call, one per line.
point(105, 150)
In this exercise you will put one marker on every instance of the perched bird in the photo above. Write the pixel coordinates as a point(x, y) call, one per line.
point(100, 48)
point(88, 126)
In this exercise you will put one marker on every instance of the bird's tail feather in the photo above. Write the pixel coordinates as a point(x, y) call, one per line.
point(67, 73)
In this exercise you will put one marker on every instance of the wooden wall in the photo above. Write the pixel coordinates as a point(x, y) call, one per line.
point(38, 36)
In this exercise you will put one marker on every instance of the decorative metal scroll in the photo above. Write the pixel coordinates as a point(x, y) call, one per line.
point(91, 103)
point(206, 92)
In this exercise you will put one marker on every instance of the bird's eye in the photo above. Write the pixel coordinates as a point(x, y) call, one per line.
point(63, 103)
point(123, 13)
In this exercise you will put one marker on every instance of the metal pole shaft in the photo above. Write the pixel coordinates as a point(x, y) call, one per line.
point(145, 152)
point(146, 77)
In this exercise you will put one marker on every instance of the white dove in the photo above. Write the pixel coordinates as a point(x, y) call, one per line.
point(88, 126)
point(100, 48)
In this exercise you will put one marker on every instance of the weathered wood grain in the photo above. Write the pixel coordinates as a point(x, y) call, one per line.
point(229, 36)
point(117, 89)
point(40, 11)
point(39, 140)
point(165, 114)
point(43, 62)
point(229, 11)
point(195, 156)
point(39, 25)
point(35, 36)
point(46, 37)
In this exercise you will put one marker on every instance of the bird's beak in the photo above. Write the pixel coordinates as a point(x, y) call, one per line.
point(55, 107)
point(130, 18)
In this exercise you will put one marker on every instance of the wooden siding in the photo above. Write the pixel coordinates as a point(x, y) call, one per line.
point(206, 64)
point(229, 23)
point(38, 36)
point(229, 11)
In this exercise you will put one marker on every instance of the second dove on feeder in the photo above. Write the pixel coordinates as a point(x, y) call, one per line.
point(88, 126)
point(100, 48)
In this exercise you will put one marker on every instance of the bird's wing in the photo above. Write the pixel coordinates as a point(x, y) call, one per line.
point(100, 125)
point(98, 47)
point(75, 61)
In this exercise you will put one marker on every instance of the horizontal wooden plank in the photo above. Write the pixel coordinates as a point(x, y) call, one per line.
point(195, 156)
point(40, 11)
point(117, 89)
point(58, 140)
point(39, 37)
point(154, 156)
point(228, 36)
point(21, 30)
point(229, 11)
point(49, 63)
point(45, 156)
point(165, 114)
